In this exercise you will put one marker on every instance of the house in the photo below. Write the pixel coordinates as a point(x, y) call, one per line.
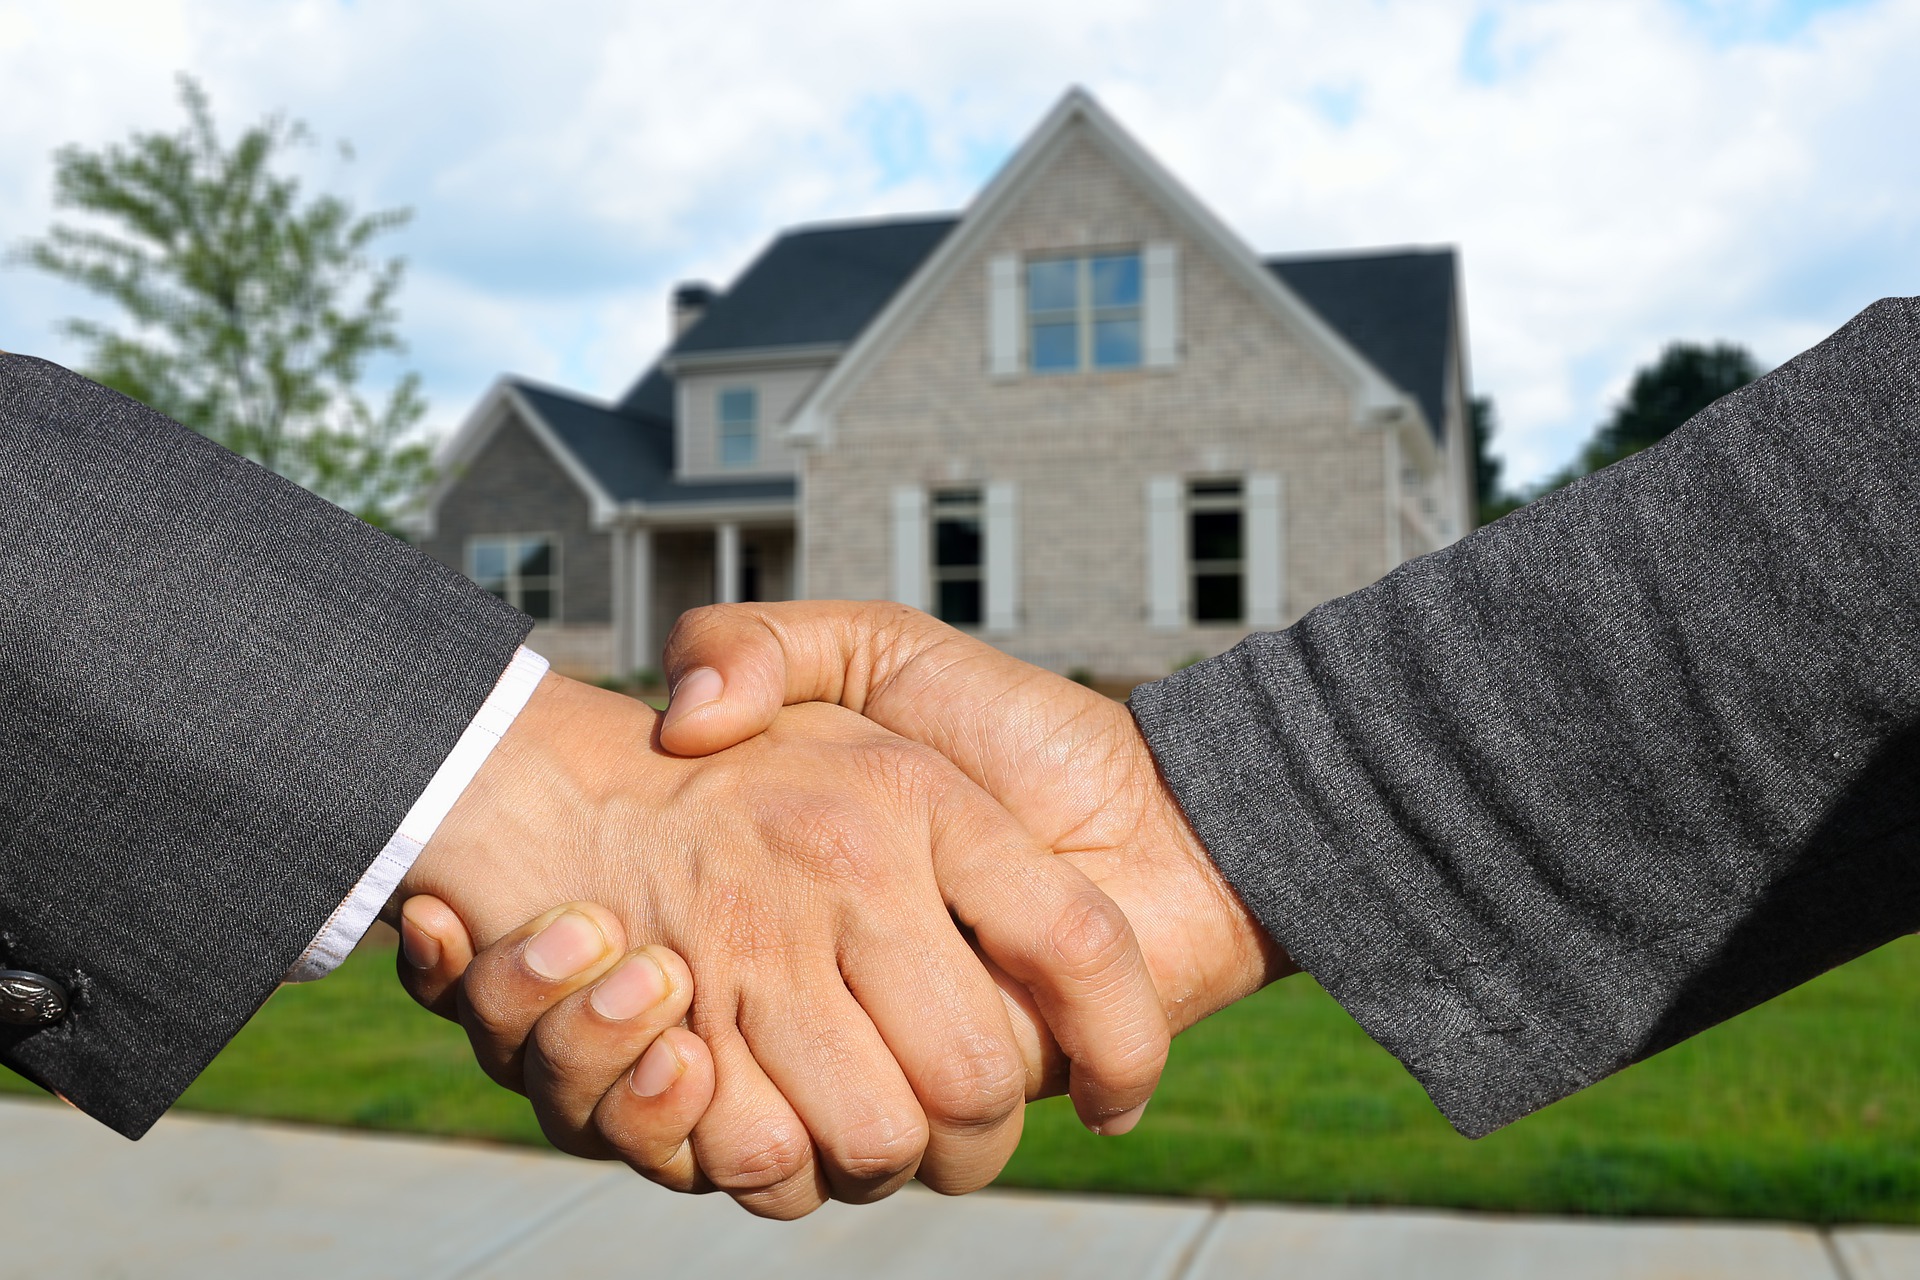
point(1080, 418)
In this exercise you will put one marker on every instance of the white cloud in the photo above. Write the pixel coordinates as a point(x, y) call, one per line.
point(1616, 172)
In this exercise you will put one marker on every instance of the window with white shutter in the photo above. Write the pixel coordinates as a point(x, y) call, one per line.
point(1217, 547)
point(959, 557)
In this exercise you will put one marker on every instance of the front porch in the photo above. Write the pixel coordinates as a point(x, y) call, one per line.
point(662, 568)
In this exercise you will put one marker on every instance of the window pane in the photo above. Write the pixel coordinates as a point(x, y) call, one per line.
point(739, 406)
point(1215, 488)
point(737, 449)
point(956, 543)
point(956, 497)
point(537, 603)
point(1116, 344)
point(1116, 280)
point(1056, 346)
point(487, 562)
point(1216, 535)
point(1053, 285)
point(536, 557)
point(1216, 597)
point(959, 603)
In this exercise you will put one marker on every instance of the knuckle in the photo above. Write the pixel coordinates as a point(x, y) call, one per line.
point(830, 839)
point(495, 1013)
point(976, 1089)
point(1090, 936)
point(766, 1160)
point(694, 628)
point(564, 1054)
point(880, 1149)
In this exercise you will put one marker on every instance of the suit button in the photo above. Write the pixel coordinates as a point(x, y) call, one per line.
point(30, 999)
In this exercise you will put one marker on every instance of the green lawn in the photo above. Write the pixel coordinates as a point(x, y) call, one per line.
point(1806, 1109)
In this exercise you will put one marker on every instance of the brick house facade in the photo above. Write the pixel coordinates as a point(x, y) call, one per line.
point(1081, 418)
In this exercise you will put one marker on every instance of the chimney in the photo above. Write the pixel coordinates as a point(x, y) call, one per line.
point(690, 301)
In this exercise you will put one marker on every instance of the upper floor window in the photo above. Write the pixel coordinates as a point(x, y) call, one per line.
point(1084, 312)
point(958, 557)
point(522, 569)
point(739, 426)
point(1216, 549)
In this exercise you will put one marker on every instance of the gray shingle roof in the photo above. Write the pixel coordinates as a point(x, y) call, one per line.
point(1395, 306)
point(822, 285)
point(631, 454)
point(816, 286)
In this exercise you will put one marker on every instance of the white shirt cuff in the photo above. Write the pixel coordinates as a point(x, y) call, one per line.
point(352, 918)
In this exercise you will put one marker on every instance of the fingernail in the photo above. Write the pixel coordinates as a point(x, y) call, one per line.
point(630, 990)
point(696, 689)
point(1114, 1126)
point(659, 1067)
point(421, 948)
point(565, 947)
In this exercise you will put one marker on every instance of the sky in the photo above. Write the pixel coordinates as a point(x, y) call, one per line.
point(1616, 174)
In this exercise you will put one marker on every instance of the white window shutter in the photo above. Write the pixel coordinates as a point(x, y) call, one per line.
point(910, 546)
point(1266, 551)
point(1002, 556)
point(1166, 553)
point(1003, 314)
point(1160, 302)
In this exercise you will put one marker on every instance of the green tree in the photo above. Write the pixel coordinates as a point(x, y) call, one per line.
point(1483, 422)
point(254, 307)
point(1686, 378)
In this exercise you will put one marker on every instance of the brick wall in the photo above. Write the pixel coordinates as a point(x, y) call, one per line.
point(1245, 396)
point(515, 486)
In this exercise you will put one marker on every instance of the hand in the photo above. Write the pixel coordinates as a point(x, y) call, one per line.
point(603, 1055)
point(794, 875)
point(1068, 763)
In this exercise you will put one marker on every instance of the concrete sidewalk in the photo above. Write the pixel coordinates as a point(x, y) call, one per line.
point(215, 1198)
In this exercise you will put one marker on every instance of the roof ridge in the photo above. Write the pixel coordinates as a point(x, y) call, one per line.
point(1373, 251)
point(870, 222)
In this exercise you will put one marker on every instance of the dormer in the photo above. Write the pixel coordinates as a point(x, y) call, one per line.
point(754, 353)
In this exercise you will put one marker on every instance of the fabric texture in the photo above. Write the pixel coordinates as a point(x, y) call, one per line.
point(1621, 765)
point(351, 919)
point(219, 697)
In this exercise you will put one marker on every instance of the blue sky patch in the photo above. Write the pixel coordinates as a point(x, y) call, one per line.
point(1731, 22)
point(895, 129)
point(1338, 105)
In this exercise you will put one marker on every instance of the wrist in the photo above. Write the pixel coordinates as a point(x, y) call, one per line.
point(527, 830)
point(1223, 954)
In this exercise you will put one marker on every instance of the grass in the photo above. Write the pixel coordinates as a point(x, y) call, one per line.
point(1806, 1109)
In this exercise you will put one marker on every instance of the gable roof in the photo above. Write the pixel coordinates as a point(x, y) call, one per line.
point(815, 286)
point(1395, 306)
point(1374, 397)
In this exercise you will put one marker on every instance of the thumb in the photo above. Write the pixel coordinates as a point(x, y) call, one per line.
point(728, 676)
point(732, 667)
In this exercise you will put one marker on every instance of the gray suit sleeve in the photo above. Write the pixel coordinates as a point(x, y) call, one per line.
point(219, 696)
point(1634, 759)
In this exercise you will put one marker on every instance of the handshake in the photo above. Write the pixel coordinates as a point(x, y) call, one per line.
point(864, 889)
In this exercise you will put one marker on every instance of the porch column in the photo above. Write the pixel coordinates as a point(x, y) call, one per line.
point(726, 559)
point(641, 645)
